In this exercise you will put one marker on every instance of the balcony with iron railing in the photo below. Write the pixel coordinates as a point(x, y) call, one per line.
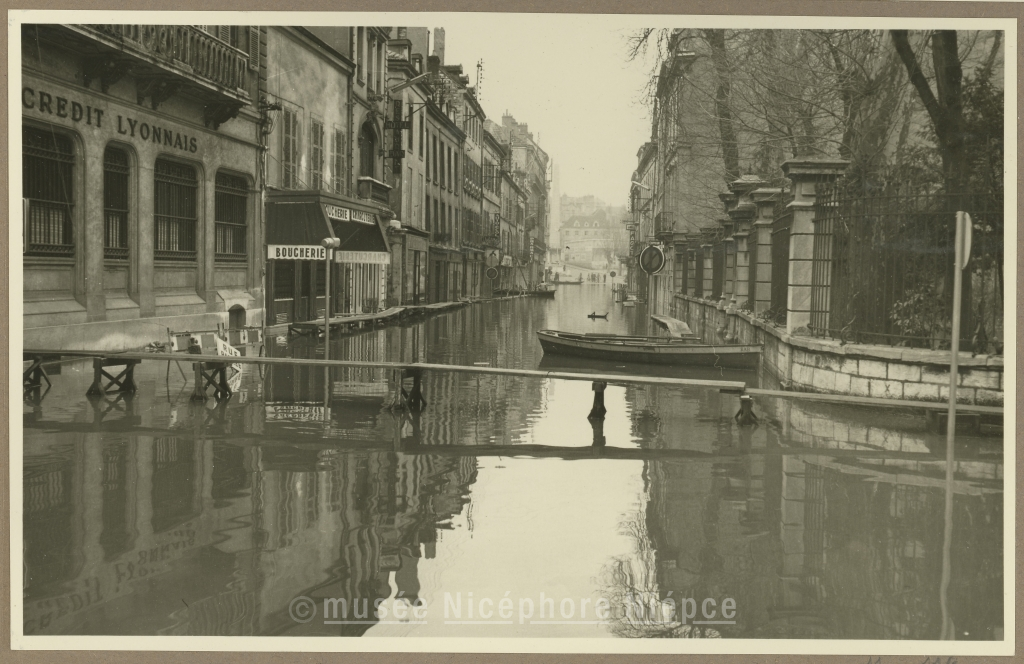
point(165, 59)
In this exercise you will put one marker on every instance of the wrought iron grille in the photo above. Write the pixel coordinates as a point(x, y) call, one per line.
point(115, 204)
point(717, 270)
point(883, 266)
point(48, 165)
point(751, 270)
point(230, 217)
point(783, 218)
point(174, 207)
point(698, 272)
point(679, 271)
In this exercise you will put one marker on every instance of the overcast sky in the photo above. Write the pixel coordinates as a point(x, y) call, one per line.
point(572, 85)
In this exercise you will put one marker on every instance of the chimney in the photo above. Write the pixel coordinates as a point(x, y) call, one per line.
point(439, 45)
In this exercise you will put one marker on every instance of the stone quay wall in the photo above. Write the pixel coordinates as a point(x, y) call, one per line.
point(810, 364)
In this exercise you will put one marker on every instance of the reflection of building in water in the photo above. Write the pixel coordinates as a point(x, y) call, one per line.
point(177, 536)
point(813, 545)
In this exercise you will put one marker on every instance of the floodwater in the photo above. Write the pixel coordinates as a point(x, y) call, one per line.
point(306, 505)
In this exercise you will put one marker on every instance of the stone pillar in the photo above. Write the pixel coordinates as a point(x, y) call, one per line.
point(804, 174)
point(206, 284)
point(89, 252)
point(741, 214)
point(144, 239)
point(761, 235)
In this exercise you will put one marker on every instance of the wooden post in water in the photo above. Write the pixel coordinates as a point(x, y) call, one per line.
point(598, 411)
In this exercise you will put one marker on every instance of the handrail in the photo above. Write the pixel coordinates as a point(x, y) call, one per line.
point(454, 368)
point(736, 387)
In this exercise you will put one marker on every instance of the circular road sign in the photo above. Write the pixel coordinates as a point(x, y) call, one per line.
point(492, 273)
point(612, 274)
point(652, 260)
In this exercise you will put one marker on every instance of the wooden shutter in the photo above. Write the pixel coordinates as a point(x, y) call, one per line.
point(224, 33)
point(254, 47)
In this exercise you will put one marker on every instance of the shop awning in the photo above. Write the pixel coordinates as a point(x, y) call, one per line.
point(298, 220)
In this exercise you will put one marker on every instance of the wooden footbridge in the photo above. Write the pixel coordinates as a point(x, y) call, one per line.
point(211, 371)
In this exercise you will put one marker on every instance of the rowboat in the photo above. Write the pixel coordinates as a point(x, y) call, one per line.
point(543, 290)
point(680, 351)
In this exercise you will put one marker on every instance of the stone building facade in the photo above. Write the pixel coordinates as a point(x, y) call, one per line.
point(140, 149)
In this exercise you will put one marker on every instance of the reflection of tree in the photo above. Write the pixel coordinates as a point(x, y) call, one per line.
point(631, 587)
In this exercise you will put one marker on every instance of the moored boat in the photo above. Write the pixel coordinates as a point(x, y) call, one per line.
point(543, 290)
point(648, 349)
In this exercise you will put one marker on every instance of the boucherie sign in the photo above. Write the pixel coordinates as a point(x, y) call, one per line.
point(296, 252)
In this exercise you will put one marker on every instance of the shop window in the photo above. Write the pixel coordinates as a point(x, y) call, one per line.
point(290, 150)
point(175, 211)
point(47, 183)
point(284, 280)
point(115, 203)
point(316, 154)
point(230, 216)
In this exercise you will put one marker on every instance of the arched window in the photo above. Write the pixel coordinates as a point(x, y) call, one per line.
point(367, 150)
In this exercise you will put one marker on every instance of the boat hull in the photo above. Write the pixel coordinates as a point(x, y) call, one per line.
point(680, 354)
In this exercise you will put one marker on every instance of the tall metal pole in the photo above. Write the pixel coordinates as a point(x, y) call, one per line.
point(961, 255)
point(327, 303)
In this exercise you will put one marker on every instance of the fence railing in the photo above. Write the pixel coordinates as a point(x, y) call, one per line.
point(882, 267)
point(781, 223)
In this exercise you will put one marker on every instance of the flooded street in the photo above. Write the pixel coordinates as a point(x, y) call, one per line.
point(159, 515)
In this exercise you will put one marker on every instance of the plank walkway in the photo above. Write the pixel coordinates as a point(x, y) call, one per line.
point(736, 387)
point(359, 320)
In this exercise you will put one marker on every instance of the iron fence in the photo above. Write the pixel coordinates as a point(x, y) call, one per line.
point(698, 272)
point(782, 220)
point(882, 266)
point(717, 270)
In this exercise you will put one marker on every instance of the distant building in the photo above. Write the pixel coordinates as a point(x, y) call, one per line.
point(592, 241)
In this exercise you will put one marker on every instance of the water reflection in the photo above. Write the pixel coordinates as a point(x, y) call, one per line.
point(157, 515)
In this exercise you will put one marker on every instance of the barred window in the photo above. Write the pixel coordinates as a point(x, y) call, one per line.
point(115, 203)
point(230, 200)
point(316, 154)
point(48, 164)
point(338, 161)
point(175, 211)
point(290, 150)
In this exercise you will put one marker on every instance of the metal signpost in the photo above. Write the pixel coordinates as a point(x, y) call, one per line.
point(961, 257)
